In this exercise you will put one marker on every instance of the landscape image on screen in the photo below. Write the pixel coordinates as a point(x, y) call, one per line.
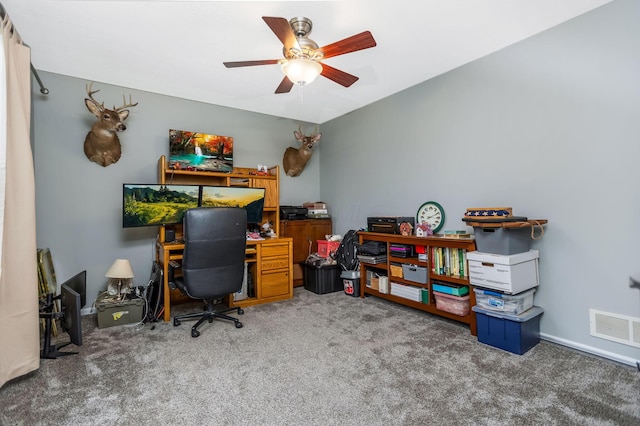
point(200, 151)
point(250, 199)
point(145, 205)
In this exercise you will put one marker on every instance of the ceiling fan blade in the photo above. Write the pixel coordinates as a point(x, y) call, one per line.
point(338, 76)
point(364, 40)
point(285, 85)
point(282, 30)
point(250, 63)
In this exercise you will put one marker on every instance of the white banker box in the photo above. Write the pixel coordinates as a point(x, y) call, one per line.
point(511, 274)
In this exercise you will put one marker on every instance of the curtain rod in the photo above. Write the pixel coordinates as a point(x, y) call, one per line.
point(43, 90)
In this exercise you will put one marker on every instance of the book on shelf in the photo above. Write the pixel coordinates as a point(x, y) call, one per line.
point(449, 261)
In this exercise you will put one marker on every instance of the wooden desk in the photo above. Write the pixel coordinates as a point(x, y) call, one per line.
point(269, 261)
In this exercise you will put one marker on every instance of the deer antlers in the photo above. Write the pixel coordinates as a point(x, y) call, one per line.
point(101, 104)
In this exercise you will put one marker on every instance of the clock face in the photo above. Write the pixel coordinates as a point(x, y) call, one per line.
point(431, 213)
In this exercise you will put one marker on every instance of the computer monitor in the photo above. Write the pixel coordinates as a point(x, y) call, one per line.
point(78, 283)
point(71, 320)
point(250, 199)
point(154, 204)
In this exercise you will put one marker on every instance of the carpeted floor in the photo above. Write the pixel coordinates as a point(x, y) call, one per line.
point(318, 360)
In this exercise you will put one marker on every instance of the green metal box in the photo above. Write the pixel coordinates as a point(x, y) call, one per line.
point(112, 312)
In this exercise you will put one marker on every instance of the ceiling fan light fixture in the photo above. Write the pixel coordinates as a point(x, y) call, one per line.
point(301, 71)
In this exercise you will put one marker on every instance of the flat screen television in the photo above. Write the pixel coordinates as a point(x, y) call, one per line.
point(71, 319)
point(250, 199)
point(200, 151)
point(152, 205)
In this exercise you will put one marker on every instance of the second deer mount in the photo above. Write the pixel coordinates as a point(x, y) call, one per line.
point(295, 159)
point(102, 145)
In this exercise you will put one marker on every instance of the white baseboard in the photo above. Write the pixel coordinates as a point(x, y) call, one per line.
point(591, 350)
point(88, 311)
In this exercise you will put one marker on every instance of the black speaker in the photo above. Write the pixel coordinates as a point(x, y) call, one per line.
point(169, 235)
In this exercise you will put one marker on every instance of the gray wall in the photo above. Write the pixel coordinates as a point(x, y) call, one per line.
point(549, 126)
point(78, 203)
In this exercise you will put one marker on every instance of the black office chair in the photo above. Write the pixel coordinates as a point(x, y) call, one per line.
point(213, 261)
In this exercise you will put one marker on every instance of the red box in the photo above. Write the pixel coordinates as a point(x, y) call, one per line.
point(327, 248)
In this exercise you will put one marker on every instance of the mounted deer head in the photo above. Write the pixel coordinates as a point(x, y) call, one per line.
point(102, 145)
point(295, 159)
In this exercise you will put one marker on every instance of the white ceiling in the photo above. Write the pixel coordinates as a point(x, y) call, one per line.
point(176, 47)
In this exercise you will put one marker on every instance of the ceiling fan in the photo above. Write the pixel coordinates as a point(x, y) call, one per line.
point(302, 56)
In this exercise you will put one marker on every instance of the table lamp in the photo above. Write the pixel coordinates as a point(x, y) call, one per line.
point(120, 270)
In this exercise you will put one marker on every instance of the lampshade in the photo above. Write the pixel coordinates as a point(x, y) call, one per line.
point(301, 71)
point(121, 268)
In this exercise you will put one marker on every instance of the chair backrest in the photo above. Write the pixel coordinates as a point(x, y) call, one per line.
point(214, 251)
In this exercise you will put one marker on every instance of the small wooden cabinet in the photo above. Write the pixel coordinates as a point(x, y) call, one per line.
point(305, 234)
point(275, 270)
point(388, 268)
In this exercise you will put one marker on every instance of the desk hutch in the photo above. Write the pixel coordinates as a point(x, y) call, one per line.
point(269, 261)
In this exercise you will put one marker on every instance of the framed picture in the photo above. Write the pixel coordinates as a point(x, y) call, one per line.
point(200, 151)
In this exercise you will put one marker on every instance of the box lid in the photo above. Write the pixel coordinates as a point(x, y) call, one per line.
point(533, 312)
point(502, 259)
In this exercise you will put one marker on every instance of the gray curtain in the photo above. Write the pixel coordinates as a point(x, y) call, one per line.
point(19, 323)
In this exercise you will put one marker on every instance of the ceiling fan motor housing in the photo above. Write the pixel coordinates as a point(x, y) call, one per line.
point(301, 27)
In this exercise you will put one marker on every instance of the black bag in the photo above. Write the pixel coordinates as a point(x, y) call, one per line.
point(373, 248)
point(154, 294)
point(347, 253)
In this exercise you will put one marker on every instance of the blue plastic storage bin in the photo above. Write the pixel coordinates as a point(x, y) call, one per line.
point(513, 333)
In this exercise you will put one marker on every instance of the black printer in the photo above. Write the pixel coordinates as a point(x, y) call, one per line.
point(388, 224)
point(293, 212)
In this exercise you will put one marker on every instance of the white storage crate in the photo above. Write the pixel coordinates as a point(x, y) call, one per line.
point(495, 301)
point(406, 291)
point(510, 274)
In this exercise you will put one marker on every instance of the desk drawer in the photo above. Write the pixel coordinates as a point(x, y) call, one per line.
point(269, 250)
point(274, 284)
point(274, 263)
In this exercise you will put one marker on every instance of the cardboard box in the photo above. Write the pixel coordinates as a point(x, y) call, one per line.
point(111, 312)
point(509, 274)
point(513, 333)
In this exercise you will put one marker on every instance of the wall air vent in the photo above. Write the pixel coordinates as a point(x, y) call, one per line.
point(618, 328)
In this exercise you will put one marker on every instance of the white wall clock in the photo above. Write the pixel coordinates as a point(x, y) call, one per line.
point(431, 213)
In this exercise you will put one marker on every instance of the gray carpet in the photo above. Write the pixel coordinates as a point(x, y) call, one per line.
point(318, 360)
